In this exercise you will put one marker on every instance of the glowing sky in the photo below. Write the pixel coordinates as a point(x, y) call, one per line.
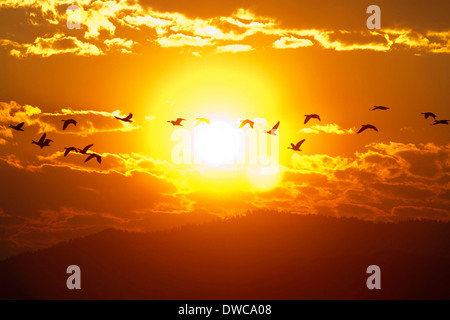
point(263, 60)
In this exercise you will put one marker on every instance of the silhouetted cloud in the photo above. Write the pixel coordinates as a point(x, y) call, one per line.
point(89, 121)
point(101, 21)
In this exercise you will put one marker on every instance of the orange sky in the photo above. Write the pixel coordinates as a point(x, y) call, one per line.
point(265, 60)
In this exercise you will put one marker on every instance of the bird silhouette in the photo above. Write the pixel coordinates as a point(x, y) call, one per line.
point(200, 120)
point(84, 151)
point(311, 116)
point(43, 142)
point(67, 122)
point(94, 155)
point(379, 108)
point(296, 147)
point(272, 131)
point(68, 150)
point(367, 126)
point(440, 122)
point(17, 127)
point(429, 114)
point(47, 142)
point(126, 119)
point(247, 121)
point(177, 122)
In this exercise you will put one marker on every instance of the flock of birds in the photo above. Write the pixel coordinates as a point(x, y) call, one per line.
point(44, 142)
point(296, 147)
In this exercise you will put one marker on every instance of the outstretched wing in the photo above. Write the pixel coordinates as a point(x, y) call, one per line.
point(94, 155)
point(275, 127)
point(68, 150)
point(20, 125)
point(42, 139)
point(129, 117)
point(243, 123)
point(299, 143)
point(87, 147)
point(307, 119)
point(67, 122)
point(362, 129)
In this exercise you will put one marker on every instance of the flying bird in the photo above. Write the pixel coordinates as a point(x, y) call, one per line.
point(296, 147)
point(440, 122)
point(429, 114)
point(311, 116)
point(177, 122)
point(94, 155)
point(126, 119)
point(47, 142)
point(43, 142)
point(67, 122)
point(379, 108)
point(84, 151)
point(272, 131)
point(200, 120)
point(68, 150)
point(247, 121)
point(367, 126)
point(17, 127)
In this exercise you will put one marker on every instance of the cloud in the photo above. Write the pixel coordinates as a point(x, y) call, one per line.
point(371, 184)
point(102, 22)
point(331, 128)
point(88, 121)
point(291, 43)
point(123, 45)
point(57, 44)
point(181, 40)
point(233, 48)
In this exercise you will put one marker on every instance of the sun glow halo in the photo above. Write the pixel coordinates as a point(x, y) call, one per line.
point(217, 143)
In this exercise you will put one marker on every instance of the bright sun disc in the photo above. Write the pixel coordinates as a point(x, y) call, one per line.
point(216, 143)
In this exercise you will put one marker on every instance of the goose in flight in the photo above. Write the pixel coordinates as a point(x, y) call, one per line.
point(177, 122)
point(126, 119)
point(43, 142)
point(379, 108)
point(296, 147)
point(200, 120)
point(17, 127)
point(67, 122)
point(94, 155)
point(367, 126)
point(272, 131)
point(311, 116)
point(247, 121)
point(68, 150)
point(429, 114)
point(84, 151)
point(440, 122)
point(47, 142)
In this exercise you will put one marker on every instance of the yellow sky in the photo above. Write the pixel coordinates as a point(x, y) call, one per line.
point(265, 61)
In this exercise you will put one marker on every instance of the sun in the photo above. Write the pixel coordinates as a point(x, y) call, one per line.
point(216, 143)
